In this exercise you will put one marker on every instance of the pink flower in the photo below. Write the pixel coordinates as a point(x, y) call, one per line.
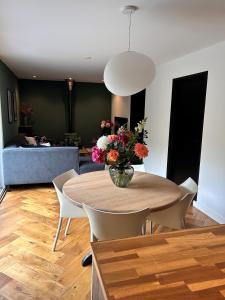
point(103, 124)
point(112, 138)
point(98, 155)
point(106, 123)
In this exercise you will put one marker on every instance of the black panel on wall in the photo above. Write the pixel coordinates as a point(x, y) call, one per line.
point(186, 126)
point(137, 109)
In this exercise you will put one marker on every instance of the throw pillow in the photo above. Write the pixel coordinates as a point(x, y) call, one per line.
point(46, 144)
point(31, 140)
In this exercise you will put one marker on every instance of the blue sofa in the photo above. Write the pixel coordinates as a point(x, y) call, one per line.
point(40, 165)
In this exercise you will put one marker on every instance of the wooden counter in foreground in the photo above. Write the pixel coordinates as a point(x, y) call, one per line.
point(184, 265)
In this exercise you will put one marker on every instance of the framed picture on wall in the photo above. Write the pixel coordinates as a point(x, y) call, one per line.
point(10, 106)
point(14, 102)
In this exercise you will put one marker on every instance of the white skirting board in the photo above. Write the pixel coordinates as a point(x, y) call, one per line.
point(212, 214)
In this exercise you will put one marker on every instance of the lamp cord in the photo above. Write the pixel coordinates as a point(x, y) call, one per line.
point(129, 30)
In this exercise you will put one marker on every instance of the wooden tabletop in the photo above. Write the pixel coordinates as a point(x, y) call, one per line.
point(145, 191)
point(184, 265)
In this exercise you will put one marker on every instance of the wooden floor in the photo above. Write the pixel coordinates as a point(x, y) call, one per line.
point(28, 267)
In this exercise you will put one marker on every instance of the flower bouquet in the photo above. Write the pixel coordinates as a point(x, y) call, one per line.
point(106, 127)
point(120, 151)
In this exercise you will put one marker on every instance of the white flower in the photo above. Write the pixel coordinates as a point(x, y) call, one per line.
point(102, 142)
point(141, 125)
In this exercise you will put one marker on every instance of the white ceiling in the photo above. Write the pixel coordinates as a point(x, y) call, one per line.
point(53, 38)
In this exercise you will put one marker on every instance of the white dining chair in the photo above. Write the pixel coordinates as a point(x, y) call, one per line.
point(108, 226)
point(67, 208)
point(173, 217)
point(189, 186)
point(139, 167)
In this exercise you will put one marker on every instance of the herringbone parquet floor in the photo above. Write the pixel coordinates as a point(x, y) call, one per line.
point(28, 267)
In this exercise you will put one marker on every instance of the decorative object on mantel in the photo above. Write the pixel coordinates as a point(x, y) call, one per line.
point(129, 72)
point(26, 113)
point(106, 127)
point(71, 139)
point(120, 150)
point(70, 84)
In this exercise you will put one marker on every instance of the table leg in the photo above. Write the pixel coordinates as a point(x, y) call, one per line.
point(87, 260)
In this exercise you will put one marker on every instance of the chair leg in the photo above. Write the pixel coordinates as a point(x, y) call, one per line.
point(150, 227)
point(67, 226)
point(143, 230)
point(183, 226)
point(57, 234)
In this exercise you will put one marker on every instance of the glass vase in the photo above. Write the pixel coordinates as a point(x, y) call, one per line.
point(121, 175)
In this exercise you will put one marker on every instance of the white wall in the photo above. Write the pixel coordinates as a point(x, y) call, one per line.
point(211, 196)
point(120, 108)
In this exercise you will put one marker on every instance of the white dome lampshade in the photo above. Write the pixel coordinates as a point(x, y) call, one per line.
point(128, 73)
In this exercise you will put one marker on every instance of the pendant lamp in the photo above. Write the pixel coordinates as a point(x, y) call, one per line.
point(128, 72)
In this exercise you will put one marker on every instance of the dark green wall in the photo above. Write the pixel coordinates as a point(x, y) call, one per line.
point(47, 100)
point(7, 81)
point(91, 104)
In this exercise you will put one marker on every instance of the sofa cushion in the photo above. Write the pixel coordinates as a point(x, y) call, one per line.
point(87, 165)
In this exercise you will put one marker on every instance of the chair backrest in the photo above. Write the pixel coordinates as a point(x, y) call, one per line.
point(108, 226)
point(185, 202)
point(62, 178)
point(68, 209)
point(139, 168)
point(190, 186)
point(173, 217)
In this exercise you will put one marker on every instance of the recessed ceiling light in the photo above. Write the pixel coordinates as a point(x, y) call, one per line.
point(34, 76)
point(88, 57)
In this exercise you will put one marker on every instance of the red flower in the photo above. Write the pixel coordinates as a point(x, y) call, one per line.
point(123, 138)
point(140, 150)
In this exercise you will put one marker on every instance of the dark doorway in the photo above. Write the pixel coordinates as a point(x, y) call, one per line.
point(186, 125)
point(118, 122)
point(137, 109)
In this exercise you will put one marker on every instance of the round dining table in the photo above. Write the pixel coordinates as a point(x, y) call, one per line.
point(144, 191)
